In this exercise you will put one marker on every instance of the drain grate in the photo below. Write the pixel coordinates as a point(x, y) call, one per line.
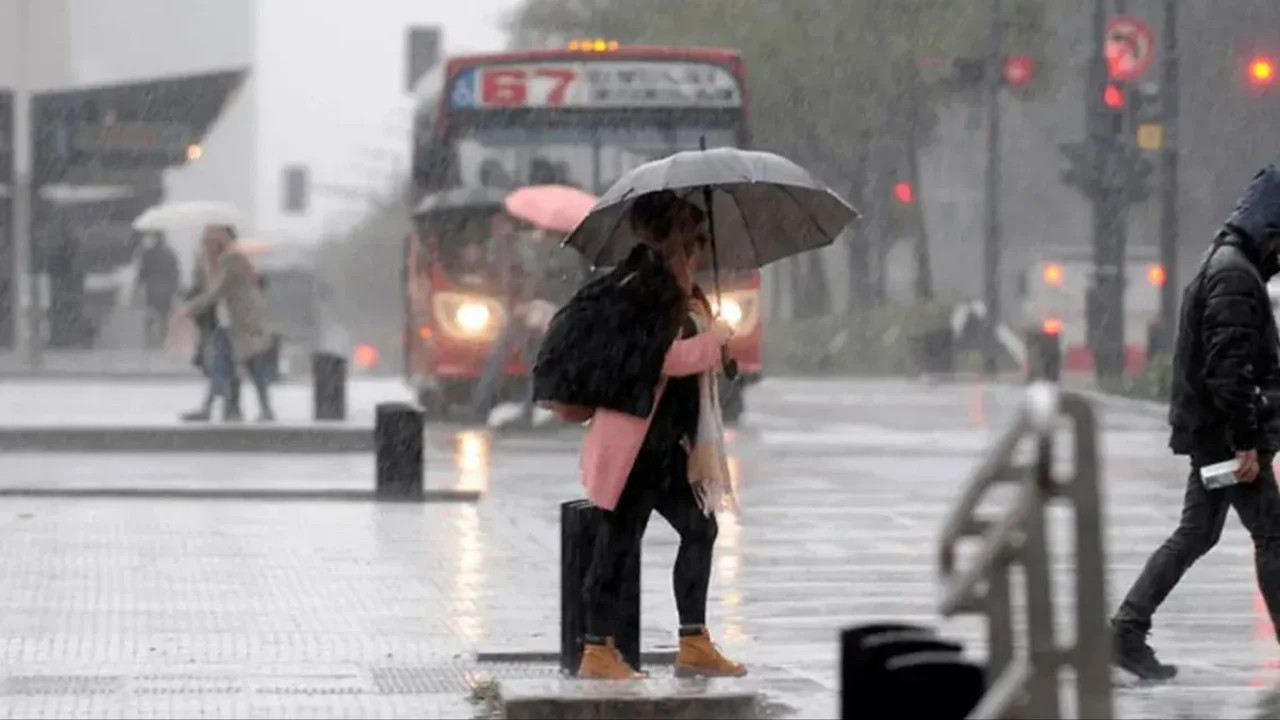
point(290, 690)
point(422, 680)
point(61, 685)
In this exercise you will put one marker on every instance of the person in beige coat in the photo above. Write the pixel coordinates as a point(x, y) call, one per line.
point(233, 289)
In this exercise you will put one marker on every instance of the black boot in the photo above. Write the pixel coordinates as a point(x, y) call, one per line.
point(204, 413)
point(231, 404)
point(1131, 652)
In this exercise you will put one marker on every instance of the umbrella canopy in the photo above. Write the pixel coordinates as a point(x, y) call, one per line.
point(190, 214)
point(551, 207)
point(461, 198)
point(765, 207)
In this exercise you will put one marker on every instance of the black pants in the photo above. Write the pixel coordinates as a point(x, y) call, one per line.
point(652, 485)
point(1203, 513)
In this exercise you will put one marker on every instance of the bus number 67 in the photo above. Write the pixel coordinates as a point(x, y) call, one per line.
point(509, 87)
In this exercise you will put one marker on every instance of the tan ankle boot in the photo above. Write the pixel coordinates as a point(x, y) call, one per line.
point(699, 657)
point(604, 662)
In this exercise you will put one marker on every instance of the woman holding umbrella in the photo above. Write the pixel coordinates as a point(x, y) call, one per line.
point(636, 351)
point(652, 339)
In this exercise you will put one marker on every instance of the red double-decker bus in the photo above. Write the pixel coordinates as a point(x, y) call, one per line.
point(581, 115)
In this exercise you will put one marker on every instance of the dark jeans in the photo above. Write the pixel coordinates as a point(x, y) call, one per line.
point(1203, 514)
point(156, 323)
point(651, 487)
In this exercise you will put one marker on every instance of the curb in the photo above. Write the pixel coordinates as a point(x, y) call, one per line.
point(334, 495)
point(657, 656)
point(219, 439)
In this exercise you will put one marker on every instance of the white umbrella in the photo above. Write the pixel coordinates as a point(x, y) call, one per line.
point(198, 213)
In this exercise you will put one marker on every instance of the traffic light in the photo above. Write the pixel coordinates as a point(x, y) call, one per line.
point(1156, 275)
point(1113, 97)
point(1019, 71)
point(967, 73)
point(904, 192)
point(1261, 71)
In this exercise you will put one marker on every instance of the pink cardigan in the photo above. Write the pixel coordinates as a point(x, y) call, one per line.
point(614, 438)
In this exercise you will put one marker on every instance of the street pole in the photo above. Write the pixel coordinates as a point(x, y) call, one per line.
point(1107, 297)
point(1169, 180)
point(991, 266)
point(30, 339)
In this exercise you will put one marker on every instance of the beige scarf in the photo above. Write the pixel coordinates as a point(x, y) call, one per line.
point(708, 461)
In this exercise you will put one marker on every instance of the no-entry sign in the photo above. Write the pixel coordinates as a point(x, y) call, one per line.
point(1130, 48)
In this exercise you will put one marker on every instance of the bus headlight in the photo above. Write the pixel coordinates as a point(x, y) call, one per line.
point(739, 308)
point(472, 317)
point(466, 316)
point(731, 311)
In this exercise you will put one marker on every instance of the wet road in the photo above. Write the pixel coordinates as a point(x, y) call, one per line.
point(171, 607)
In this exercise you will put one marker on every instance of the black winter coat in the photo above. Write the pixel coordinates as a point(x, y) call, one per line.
point(1226, 361)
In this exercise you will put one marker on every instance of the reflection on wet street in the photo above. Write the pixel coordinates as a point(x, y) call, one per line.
point(471, 460)
point(842, 487)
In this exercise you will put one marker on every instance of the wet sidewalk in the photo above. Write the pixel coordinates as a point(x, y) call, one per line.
point(127, 608)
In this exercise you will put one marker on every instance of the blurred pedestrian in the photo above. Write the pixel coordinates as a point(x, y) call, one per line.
point(206, 324)
point(551, 275)
point(1226, 377)
point(158, 280)
point(637, 350)
point(242, 337)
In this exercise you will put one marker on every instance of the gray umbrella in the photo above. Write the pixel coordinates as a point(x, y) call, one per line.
point(763, 207)
point(461, 198)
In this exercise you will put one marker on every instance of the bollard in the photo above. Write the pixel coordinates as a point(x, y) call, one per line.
point(329, 386)
point(955, 685)
point(865, 694)
point(397, 438)
point(861, 662)
point(578, 519)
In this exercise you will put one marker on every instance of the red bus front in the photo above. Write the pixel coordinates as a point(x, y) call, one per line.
point(580, 117)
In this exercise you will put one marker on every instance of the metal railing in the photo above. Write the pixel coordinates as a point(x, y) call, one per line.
point(1025, 682)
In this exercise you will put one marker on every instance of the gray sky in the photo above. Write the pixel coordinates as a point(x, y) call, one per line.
point(331, 80)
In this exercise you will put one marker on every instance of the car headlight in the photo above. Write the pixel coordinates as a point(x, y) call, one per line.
point(739, 308)
point(472, 316)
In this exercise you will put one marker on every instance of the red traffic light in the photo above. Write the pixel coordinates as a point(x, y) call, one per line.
point(904, 193)
point(1262, 71)
point(1018, 70)
point(1113, 96)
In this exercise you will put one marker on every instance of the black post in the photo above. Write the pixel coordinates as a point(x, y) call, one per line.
point(1169, 181)
point(991, 279)
point(578, 522)
point(398, 440)
point(1105, 128)
point(329, 386)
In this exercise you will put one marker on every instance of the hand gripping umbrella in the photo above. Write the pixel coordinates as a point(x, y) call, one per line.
point(760, 207)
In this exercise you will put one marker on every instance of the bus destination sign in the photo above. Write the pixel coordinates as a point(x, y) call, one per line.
point(595, 84)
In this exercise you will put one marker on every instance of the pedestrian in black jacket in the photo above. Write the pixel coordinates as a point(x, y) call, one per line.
point(1226, 379)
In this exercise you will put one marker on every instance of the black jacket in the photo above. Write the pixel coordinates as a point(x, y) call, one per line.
point(1227, 358)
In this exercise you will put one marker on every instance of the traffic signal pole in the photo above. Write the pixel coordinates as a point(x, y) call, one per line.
point(1169, 181)
point(1109, 172)
point(991, 266)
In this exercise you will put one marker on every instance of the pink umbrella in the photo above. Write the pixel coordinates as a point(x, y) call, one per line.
point(558, 208)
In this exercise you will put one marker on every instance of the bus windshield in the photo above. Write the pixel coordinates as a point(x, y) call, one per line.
point(591, 158)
